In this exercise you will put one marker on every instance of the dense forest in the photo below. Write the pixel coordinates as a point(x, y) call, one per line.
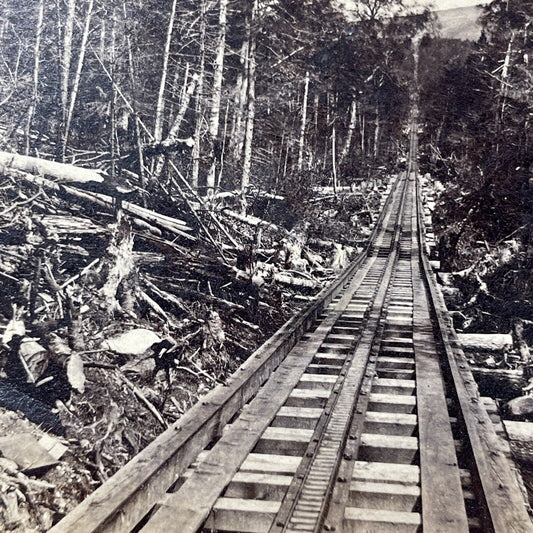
point(230, 95)
point(177, 178)
point(477, 102)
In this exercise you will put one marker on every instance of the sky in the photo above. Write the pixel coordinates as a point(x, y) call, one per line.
point(438, 4)
point(450, 4)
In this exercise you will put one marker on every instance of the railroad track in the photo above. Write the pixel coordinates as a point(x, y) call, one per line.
point(360, 415)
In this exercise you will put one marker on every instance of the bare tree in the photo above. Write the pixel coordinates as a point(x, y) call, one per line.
point(158, 127)
point(349, 133)
point(199, 108)
point(250, 101)
point(77, 77)
point(36, 68)
point(66, 59)
point(214, 119)
point(304, 120)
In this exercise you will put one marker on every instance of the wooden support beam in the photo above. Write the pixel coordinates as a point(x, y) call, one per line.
point(316, 381)
point(391, 403)
point(386, 473)
point(285, 441)
point(245, 516)
point(357, 519)
point(386, 423)
point(270, 463)
point(391, 496)
point(258, 486)
point(307, 398)
point(388, 448)
point(394, 386)
point(297, 417)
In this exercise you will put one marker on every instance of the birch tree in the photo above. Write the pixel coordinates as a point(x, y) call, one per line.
point(250, 101)
point(304, 122)
point(349, 134)
point(241, 91)
point(77, 77)
point(158, 126)
point(199, 95)
point(36, 70)
point(214, 118)
point(66, 59)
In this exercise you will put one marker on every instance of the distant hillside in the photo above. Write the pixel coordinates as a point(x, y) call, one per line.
point(460, 23)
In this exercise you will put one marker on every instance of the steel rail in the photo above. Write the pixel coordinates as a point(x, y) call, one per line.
point(122, 501)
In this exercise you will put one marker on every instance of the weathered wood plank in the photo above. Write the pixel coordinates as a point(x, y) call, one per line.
point(391, 496)
point(386, 473)
point(443, 506)
point(270, 463)
point(388, 448)
point(505, 509)
point(388, 423)
point(246, 516)
point(198, 494)
point(258, 486)
point(357, 519)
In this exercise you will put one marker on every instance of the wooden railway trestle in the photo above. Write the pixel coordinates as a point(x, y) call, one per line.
point(360, 414)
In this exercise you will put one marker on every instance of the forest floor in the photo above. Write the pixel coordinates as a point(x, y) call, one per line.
point(484, 291)
point(113, 326)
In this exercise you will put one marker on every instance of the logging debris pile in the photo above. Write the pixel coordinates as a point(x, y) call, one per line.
point(117, 316)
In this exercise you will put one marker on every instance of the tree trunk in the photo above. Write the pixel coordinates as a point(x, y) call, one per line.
point(237, 135)
point(173, 134)
point(280, 156)
point(250, 114)
point(199, 93)
point(349, 133)
point(362, 121)
point(77, 77)
point(214, 119)
point(334, 158)
point(60, 171)
point(223, 148)
point(304, 120)
point(315, 119)
point(504, 89)
point(36, 64)
point(158, 127)
point(377, 133)
point(174, 87)
point(138, 139)
point(326, 140)
point(113, 170)
point(188, 91)
point(101, 45)
point(65, 61)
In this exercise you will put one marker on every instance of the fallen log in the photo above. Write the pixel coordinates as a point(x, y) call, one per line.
point(500, 382)
point(70, 224)
point(286, 279)
point(60, 171)
point(173, 225)
point(280, 277)
point(520, 435)
point(485, 342)
point(250, 219)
